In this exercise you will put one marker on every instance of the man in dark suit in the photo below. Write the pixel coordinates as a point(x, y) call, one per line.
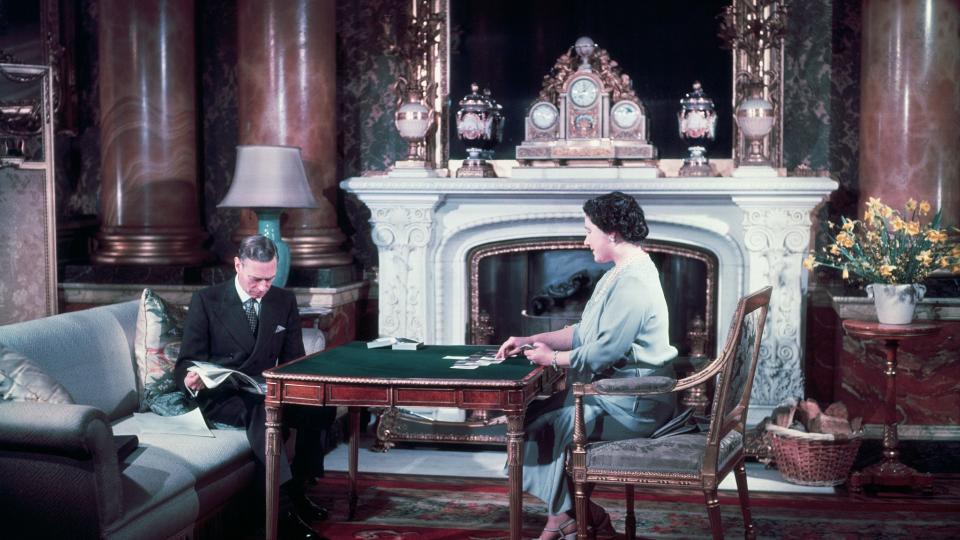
point(247, 325)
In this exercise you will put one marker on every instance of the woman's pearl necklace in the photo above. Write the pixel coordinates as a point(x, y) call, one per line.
point(599, 293)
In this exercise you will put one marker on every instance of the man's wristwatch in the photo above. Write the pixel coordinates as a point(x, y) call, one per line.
point(553, 361)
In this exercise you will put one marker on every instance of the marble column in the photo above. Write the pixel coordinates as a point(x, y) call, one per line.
point(148, 142)
point(910, 103)
point(286, 90)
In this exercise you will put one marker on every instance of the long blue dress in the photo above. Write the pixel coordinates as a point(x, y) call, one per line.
point(623, 332)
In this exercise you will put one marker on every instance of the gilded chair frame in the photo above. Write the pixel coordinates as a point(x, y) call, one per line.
point(728, 414)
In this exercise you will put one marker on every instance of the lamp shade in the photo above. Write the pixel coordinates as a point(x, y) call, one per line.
point(269, 177)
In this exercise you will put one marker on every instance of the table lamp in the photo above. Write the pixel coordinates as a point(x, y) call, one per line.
point(267, 180)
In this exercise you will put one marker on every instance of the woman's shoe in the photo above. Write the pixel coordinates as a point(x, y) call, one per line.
point(600, 525)
point(563, 532)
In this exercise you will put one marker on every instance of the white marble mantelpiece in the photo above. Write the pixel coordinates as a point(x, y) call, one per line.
point(758, 227)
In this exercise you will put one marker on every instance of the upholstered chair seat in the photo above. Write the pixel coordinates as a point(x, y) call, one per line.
point(666, 456)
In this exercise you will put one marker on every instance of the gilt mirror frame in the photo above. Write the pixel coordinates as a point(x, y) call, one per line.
point(755, 57)
point(32, 117)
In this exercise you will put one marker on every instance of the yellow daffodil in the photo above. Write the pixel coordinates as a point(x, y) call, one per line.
point(935, 236)
point(888, 244)
point(845, 239)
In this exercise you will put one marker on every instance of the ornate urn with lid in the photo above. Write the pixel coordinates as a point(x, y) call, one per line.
point(755, 118)
point(480, 128)
point(413, 120)
point(697, 121)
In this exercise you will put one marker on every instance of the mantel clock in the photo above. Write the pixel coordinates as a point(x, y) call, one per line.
point(586, 114)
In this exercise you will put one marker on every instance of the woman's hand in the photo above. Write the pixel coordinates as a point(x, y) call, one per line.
point(540, 354)
point(512, 346)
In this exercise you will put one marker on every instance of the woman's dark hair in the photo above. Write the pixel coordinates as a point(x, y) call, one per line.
point(618, 213)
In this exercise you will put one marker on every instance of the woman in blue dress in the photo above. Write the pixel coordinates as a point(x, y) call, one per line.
point(623, 332)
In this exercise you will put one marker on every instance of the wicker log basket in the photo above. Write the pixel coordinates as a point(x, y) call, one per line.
point(814, 459)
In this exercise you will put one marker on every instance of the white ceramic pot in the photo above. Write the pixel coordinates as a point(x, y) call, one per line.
point(895, 303)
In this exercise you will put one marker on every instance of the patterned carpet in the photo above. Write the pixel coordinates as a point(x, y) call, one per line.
point(431, 508)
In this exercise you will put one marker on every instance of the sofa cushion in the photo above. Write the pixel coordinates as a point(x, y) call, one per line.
point(23, 380)
point(159, 333)
point(89, 352)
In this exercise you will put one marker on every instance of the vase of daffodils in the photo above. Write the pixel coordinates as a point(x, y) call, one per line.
point(891, 251)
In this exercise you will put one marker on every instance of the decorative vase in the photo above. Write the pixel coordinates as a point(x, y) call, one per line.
point(697, 120)
point(895, 303)
point(413, 120)
point(480, 128)
point(755, 117)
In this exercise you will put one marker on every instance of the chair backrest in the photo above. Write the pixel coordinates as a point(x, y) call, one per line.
point(734, 369)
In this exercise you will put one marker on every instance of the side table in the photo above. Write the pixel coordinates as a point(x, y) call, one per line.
point(889, 471)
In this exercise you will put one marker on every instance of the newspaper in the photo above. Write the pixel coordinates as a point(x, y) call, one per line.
point(190, 423)
point(213, 375)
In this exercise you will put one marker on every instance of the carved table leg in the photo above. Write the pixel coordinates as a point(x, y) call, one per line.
point(515, 471)
point(354, 458)
point(272, 451)
point(890, 471)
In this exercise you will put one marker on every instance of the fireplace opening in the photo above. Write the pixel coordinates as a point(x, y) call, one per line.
point(535, 285)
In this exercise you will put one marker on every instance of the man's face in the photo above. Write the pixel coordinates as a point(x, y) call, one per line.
point(255, 277)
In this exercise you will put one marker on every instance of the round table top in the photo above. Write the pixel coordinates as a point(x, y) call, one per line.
point(875, 330)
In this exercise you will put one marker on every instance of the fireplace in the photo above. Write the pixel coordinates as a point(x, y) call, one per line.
point(756, 229)
point(528, 286)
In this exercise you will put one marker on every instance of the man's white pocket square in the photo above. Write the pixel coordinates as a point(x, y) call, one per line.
point(280, 328)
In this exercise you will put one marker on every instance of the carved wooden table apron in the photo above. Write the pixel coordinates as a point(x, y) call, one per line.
point(357, 377)
point(889, 471)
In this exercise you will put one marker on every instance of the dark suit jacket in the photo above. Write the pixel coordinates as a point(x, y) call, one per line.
point(216, 330)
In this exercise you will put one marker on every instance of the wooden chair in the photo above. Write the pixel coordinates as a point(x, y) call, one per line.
point(691, 460)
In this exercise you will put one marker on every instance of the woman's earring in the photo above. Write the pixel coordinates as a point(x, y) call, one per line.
point(613, 239)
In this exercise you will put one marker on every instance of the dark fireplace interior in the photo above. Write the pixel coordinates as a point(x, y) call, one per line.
point(535, 285)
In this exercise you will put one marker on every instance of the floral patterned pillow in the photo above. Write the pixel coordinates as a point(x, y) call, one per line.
point(22, 380)
point(157, 346)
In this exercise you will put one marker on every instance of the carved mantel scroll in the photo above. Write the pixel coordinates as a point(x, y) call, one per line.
point(402, 235)
point(776, 236)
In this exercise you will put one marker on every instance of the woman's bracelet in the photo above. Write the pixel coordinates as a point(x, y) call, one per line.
point(553, 361)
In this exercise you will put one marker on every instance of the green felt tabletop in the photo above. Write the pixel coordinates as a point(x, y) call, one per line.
point(356, 360)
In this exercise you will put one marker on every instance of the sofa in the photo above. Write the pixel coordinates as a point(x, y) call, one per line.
point(60, 472)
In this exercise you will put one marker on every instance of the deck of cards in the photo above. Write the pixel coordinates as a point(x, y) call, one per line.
point(475, 360)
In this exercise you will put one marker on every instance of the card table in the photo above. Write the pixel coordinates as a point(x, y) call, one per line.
point(356, 376)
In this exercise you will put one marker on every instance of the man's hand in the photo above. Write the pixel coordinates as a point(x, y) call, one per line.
point(193, 381)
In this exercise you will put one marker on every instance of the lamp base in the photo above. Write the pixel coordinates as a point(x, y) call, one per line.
point(268, 224)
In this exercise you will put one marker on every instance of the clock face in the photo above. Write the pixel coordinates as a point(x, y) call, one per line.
point(543, 115)
point(583, 92)
point(625, 114)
